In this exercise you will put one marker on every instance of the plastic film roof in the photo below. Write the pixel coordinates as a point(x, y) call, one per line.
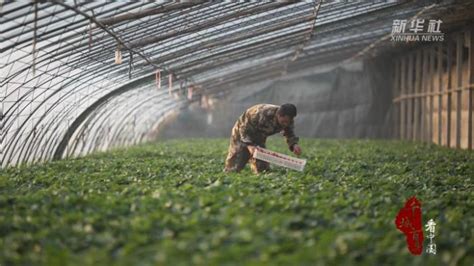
point(62, 93)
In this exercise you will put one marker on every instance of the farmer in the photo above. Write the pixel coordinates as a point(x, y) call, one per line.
point(252, 129)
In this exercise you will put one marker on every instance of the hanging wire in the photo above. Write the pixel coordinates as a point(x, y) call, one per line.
point(310, 31)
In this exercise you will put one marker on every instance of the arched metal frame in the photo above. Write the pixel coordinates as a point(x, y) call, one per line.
point(62, 95)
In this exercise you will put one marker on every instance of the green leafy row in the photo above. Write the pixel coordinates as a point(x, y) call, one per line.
point(170, 203)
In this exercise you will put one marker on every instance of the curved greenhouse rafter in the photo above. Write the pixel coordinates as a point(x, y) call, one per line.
point(64, 92)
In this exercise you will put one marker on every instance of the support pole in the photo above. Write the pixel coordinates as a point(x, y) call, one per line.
point(471, 89)
point(431, 90)
point(423, 99)
point(410, 101)
point(459, 56)
point(449, 59)
point(403, 104)
point(440, 96)
point(396, 93)
point(417, 100)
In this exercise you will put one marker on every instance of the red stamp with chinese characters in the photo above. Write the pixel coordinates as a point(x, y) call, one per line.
point(408, 221)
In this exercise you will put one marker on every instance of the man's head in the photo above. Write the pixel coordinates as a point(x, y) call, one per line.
point(285, 114)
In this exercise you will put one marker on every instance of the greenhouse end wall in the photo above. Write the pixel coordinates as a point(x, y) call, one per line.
point(344, 102)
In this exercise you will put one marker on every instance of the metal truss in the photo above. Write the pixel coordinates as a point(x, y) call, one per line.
point(62, 94)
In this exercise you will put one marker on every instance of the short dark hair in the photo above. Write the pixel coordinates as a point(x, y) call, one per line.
point(287, 109)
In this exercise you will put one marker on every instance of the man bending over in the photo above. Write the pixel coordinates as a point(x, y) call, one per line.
point(252, 129)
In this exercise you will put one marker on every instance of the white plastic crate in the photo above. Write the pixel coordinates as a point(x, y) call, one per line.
point(279, 159)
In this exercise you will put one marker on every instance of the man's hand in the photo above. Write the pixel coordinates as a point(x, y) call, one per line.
point(251, 149)
point(296, 149)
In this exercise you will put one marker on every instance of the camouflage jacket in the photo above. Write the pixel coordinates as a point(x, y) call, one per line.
point(260, 121)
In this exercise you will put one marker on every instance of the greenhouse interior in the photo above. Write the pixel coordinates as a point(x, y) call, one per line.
point(135, 132)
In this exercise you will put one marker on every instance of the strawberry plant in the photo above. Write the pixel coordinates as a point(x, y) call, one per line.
point(170, 203)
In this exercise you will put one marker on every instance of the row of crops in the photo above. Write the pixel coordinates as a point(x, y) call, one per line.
point(170, 203)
